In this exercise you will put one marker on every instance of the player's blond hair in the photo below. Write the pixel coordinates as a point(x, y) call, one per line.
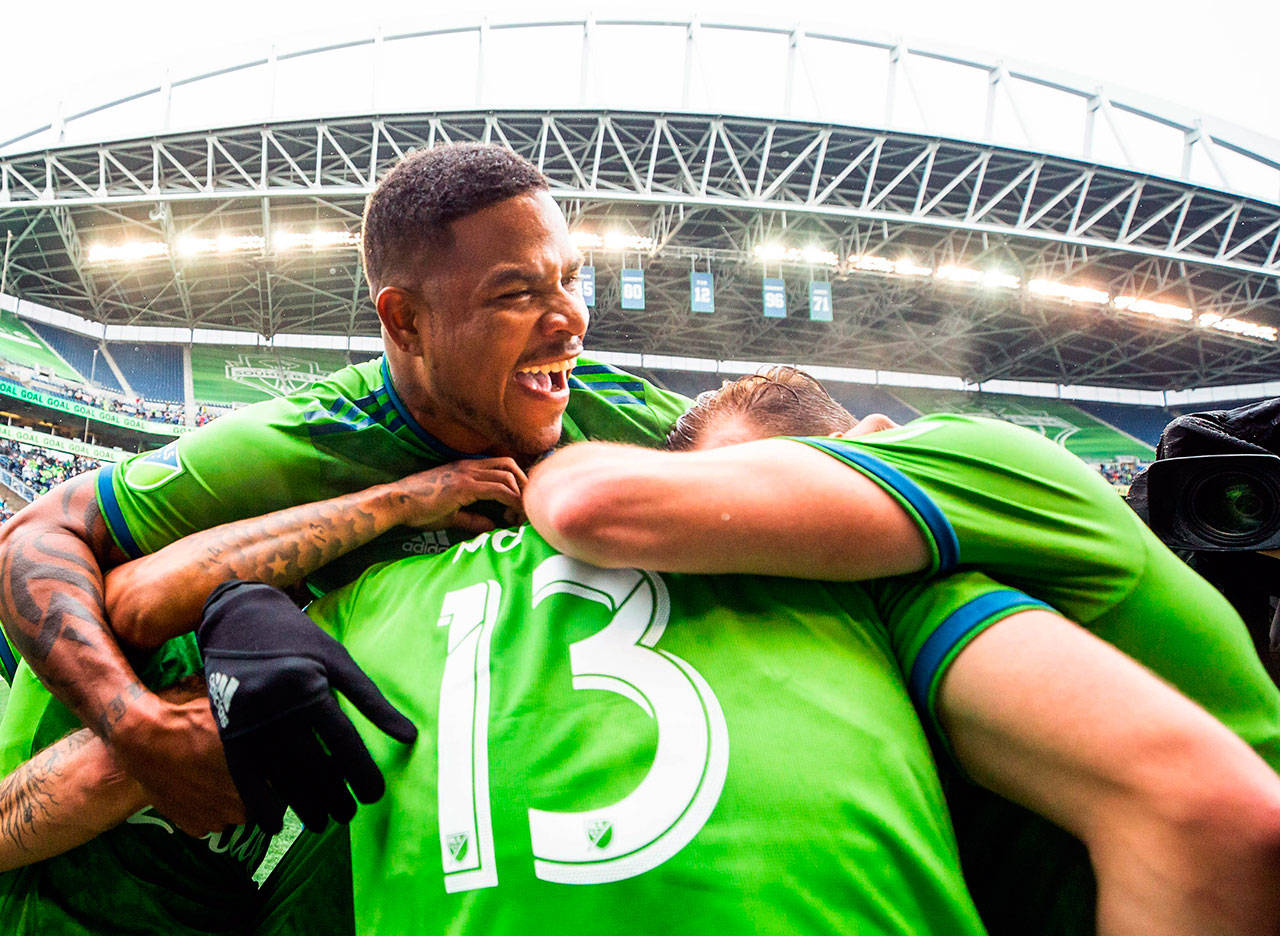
point(777, 401)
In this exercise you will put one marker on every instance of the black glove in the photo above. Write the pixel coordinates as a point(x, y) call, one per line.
point(271, 674)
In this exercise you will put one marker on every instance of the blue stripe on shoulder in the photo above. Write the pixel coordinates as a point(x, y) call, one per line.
point(598, 369)
point(944, 534)
point(954, 629)
point(342, 422)
point(112, 513)
point(632, 385)
point(442, 451)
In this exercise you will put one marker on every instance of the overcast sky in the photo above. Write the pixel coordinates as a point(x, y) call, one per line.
point(1216, 56)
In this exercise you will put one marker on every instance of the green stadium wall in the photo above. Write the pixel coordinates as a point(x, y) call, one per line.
point(248, 375)
point(1085, 436)
point(21, 345)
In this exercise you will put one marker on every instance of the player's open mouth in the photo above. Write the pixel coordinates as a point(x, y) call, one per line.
point(551, 378)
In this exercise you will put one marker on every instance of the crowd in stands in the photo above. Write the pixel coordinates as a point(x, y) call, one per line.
point(41, 469)
point(1121, 474)
point(149, 410)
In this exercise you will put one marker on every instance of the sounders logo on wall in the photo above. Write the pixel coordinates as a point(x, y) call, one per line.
point(277, 376)
point(154, 469)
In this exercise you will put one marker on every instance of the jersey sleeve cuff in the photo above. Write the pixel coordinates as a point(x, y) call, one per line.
point(109, 505)
point(948, 640)
point(938, 533)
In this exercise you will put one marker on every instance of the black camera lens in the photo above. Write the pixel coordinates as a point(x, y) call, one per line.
point(1233, 505)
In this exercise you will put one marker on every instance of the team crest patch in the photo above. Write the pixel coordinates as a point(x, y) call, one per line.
point(600, 832)
point(154, 469)
point(457, 845)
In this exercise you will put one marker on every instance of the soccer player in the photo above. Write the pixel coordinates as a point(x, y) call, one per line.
point(941, 493)
point(475, 280)
point(773, 770)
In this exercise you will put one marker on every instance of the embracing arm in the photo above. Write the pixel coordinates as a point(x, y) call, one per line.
point(160, 596)
point(67, 794)
point(767, 507)
point(51, 602)
point(1181, 817)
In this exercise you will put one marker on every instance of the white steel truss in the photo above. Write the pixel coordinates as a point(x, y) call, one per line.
point(707, 190)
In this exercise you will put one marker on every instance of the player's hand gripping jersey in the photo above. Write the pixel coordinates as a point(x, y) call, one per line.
point(613, 750)
point(991, 495)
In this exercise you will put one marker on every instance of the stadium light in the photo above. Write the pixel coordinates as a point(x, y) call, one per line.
point(224, 244)
point(611, 240)
point(1237, 326)
point(315, 240)
point(870, 263)
point(1162, 310)
point(1051, 290)
point(990, 279)
point(129, 250)
point(813, 255)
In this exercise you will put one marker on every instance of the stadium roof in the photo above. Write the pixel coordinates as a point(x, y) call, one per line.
point(974, 218)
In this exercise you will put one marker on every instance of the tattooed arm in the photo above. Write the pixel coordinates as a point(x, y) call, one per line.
point(51, 602)
point(53, 607)
point(70, 792)
point(160, 596)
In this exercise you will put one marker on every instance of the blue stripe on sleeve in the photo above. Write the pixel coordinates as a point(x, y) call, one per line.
point(953, 630)
point(8, 661)
point(944, 534)
point(112, 513)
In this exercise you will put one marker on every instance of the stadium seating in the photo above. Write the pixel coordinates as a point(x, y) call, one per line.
point(1141, 422)
point(78, 351)
point(153, 370)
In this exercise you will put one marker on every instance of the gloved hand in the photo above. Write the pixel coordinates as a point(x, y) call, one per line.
point(271, 673)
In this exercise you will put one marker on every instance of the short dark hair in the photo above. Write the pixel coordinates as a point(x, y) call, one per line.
point(410, 211)
point(777, 401)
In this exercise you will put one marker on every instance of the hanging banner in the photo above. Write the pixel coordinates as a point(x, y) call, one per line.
point(775, 298)
point(633, 289)
point(76, 408)
point(702, 294)
point(59, 444)
point(587, 283)
point(819, 301)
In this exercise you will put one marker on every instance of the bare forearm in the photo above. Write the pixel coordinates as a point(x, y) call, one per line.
point(61, 798)
point(160, 596)
point(1181, 818)
point(722, 510)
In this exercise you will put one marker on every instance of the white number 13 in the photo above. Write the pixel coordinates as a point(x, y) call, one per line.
point(609, 843)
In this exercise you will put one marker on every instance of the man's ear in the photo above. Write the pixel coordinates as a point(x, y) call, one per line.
point(399, 311)
point(874, 422)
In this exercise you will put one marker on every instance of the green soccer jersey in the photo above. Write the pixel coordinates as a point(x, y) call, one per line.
point(987, 494)
point(614, 750)
point(342, 434)
point(144, 877)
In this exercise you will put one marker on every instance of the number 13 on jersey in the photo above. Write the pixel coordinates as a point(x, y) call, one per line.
point(647, 826)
